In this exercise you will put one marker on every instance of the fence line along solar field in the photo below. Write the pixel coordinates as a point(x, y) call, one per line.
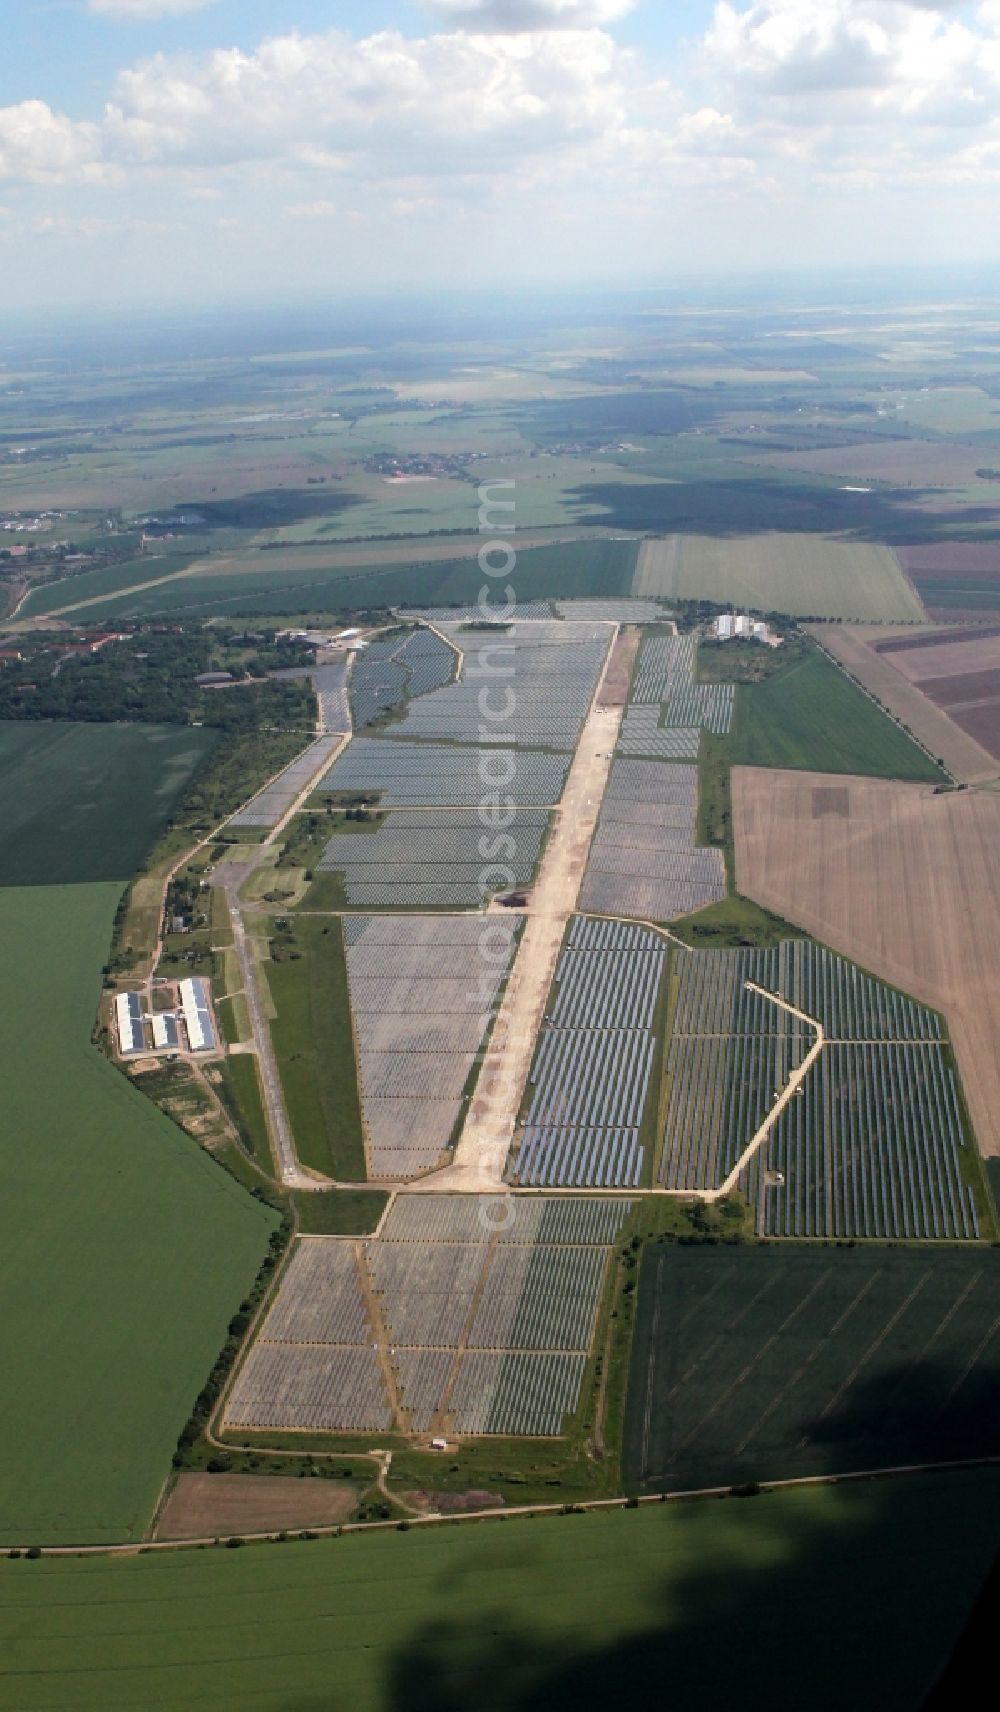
point(422, 998)
point(468, 1323)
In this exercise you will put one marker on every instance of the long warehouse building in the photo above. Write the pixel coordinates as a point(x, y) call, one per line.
point(128, 1010)
point(197, 1015)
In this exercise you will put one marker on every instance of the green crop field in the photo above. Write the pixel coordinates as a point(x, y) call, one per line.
point(274, 583)
point(86, 802)
point(804, 575)
point(314, 1046)
point(125, 1247)
point(106, 583)
point(761, 1363)
point(869, 1586)
point(812, 716)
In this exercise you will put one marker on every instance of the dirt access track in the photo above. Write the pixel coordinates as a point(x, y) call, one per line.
point(902, 881)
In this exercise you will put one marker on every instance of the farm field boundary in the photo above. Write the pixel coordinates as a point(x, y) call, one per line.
point(584, 1601)
point(768, 1363)
point(853, 648)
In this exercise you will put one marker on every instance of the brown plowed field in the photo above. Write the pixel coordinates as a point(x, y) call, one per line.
point(950, 559)
point(945, 657)
point(904, 882)
point(959, 672)
point(217, 1506)
point(859, 650)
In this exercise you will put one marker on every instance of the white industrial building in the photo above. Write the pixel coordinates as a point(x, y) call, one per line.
point(128, 1014)
point(740, 624)
point(197, 1015)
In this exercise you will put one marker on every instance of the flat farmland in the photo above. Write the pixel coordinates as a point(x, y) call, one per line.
point(955, 579)
point(809, 576)
point(856, 648)
point(902, 881)
point(86, 802)
point(552, 564)
point(907, 463)
point(764, 1364)
point(873, 1583)
point(960, 674)
point(217, 1506)
point(126, 1249)
point(812, 716)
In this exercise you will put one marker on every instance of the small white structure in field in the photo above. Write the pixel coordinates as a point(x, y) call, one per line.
point(439, 1444)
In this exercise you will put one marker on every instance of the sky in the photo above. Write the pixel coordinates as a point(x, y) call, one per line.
point(213, 150)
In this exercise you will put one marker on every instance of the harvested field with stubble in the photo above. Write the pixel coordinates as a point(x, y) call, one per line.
point(899, 879)
point(857, 649)
point(809, 576)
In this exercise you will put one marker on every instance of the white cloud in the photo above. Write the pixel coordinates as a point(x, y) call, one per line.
point(139, 11)
point(36, 143)
point(442, 104)
point(502, 15)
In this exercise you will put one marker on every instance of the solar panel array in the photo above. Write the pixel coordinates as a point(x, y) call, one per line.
point(590, 1078)
point(314, 1365)
point(872, 1146)
point(417, 858)
point(395, 667)
point(494, 614)
point(434, 775)
point(423, 991)
point(667, 707)
point(277, 798)
point(484, 1330)
point(641, 734)
point(330, 684)
point(643, 859)
point(612, 611)
point(531, 685)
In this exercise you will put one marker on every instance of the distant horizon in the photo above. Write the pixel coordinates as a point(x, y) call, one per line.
point(158, 150)
point(802, 290)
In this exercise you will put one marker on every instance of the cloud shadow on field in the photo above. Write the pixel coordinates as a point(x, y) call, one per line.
point(727, 507)
point(771, 1603)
